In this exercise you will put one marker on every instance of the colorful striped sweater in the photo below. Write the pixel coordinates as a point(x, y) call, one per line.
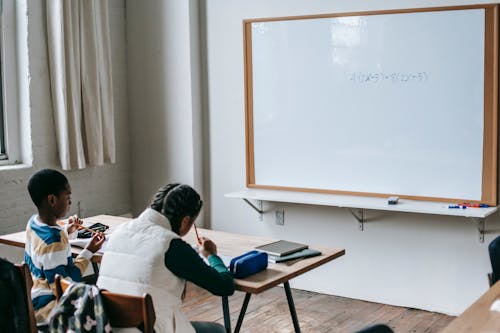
point(48, 253)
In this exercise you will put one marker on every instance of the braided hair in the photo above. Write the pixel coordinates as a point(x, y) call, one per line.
point(175, 201)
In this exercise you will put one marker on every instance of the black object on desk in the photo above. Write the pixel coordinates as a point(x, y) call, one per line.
point(281, 248)
point(306, 253)
point(96, 227)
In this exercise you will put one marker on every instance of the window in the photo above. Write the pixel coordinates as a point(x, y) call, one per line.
point(3, 155)
point(9, 111)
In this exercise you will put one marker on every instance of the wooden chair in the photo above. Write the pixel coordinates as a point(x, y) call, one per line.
point(27, 283)
point(122, 310)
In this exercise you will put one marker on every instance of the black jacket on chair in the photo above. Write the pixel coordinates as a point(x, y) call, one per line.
point(494, 250)
point(13, 313)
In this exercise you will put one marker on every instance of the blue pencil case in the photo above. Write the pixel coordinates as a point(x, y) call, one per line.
point(248, 264)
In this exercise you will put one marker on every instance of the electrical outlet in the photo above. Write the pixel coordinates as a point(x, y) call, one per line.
point(280, 217)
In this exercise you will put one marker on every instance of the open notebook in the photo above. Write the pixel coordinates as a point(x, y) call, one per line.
point(225, 258)
point(83, 242)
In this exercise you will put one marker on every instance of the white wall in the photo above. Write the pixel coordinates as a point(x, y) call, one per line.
point(164, 96)
point(99, 190)
point(421, 261)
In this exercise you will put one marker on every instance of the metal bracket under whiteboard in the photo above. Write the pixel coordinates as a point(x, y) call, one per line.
point(480, 227)
point(257, 208)
point(358, 215)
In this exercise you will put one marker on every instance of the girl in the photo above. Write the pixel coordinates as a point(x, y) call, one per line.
point(147, 255)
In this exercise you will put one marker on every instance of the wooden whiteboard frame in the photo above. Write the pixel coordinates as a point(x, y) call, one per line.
point(490, 127)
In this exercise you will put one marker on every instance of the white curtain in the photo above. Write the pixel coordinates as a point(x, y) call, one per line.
point(81, 82)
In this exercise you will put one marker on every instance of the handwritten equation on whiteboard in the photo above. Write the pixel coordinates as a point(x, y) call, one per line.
point(395, 77)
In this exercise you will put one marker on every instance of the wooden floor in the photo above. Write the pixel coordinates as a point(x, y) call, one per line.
point(268, 312)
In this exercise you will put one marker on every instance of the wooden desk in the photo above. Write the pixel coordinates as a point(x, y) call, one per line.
point(478, 318)
point(233, 245)
point(228, 244)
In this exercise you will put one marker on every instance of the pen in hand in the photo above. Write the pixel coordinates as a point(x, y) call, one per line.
point(197, 235)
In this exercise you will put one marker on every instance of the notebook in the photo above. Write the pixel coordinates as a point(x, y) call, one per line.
point(225, 258)
point(281, 248)
point(83, 242)
point(306, 253)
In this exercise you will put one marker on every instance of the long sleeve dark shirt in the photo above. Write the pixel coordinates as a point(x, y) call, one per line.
point(182, 260)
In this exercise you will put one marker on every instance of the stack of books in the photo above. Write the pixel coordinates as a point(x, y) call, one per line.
point(282, 251)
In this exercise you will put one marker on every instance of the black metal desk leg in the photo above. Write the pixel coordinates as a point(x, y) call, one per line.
point(292, 307)
point(95, 266)
point(242, 312)
point(225, 311)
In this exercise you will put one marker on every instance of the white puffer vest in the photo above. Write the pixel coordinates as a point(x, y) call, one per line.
point(133, 263)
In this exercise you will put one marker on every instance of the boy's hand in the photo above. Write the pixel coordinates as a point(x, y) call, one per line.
point(96, 242)
point(73, 224)
point(207, 247)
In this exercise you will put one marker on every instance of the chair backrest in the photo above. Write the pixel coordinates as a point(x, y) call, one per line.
point(494, 251)
point(379, 328)
point(122, 310)
point(27, 283)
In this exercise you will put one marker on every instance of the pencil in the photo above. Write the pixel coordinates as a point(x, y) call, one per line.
point(88, 229)
point(197, 235)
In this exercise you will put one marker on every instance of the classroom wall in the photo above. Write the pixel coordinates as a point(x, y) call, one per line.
point(99, 190)
point(164, 96)
point(422, 261)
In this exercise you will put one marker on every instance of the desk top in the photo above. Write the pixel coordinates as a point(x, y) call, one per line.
point(232, 245)
point(478, 318)
point(228, 244)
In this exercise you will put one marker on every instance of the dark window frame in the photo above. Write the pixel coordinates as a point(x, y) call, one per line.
point(3, 153)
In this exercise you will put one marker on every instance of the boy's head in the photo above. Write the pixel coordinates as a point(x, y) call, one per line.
point(50, 191)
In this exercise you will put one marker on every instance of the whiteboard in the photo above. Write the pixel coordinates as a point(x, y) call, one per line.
point(374, 104)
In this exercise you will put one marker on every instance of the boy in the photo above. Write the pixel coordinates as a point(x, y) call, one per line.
point(47, 250)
